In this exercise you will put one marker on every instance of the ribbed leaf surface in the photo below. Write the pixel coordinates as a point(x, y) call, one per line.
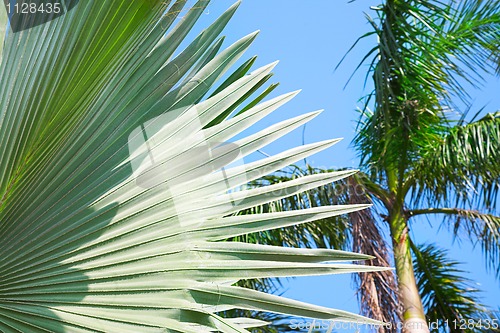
point(117, 176)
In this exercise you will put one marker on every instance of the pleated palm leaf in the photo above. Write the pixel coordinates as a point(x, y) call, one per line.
point(118, 179)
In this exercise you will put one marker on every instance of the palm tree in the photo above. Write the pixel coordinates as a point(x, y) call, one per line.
point(117, 170)
point(418, 158)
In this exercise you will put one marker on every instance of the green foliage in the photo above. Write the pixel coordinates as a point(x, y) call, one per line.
point(332, 232)
point(446, 293)
point(466, 158)
point(426, 50)
point(421, 159)
point(359, 231)
point(113, 199)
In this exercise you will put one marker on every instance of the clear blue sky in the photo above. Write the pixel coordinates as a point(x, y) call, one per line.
point(309, 38)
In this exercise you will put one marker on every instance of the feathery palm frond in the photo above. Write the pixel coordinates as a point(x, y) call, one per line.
point(462, 167)
point(427, 53)
point(424, 48)
point(482, 229)
point(479, 228)
point(446, 293)
point(116, 182)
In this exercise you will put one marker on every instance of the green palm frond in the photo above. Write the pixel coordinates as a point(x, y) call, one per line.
point(465, 162)
point(425, 50)
point(482, 229)
point(332, 232)
point(118, 177)
point(446, 293)
point(427, 54)
point(479, 228)
point(472, 38)
point(463, 170)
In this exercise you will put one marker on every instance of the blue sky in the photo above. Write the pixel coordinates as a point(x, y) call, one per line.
point(309, 38)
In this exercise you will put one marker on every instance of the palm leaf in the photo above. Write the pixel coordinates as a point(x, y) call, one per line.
point(428, 54)
point(462, 170)
point(479, 228)
point(426, 50)
point(114, 189)
point(330, 232)
point(445, 291)
point(482, 229)
point(465, 160)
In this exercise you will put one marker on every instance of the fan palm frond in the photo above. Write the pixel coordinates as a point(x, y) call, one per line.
point(117, 186)
point(332, 232)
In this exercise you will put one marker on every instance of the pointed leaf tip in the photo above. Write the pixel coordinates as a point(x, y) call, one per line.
point(235, 5)
point(333, 141)
point(267, 68)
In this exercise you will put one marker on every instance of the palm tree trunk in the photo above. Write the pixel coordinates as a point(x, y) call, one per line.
point(413, 312)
